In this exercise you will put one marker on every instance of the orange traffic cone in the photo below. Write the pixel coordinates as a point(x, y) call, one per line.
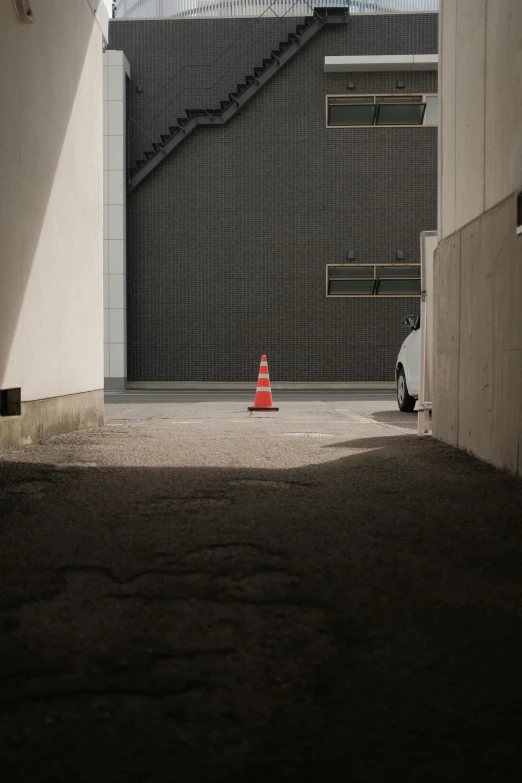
point(263, 399)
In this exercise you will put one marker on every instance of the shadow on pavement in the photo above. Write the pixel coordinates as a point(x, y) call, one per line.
point(396, 418)
point(357, 620)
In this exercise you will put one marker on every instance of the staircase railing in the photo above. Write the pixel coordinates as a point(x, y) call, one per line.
point(266, 69)
point(140, 127)
point(240, 8)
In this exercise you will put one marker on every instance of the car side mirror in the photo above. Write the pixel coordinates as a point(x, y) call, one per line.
point(410, 320)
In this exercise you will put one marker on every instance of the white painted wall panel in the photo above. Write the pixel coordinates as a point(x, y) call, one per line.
point(116, 119)
point(117, 360)
point(116, 152)
point(470, 86)
point(447, 117)
point(116, 256)
point(116, 82)
point(116, 291)
point(51, 302)
point(117, 325)
point(480, 154)
point(115, 188)
point(117, 69)
point(503, 166)
point(117, 228)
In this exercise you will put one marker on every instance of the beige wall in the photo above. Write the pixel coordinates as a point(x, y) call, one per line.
point(480, 107)
point(478, 263)
point(478, 339)
point(51, 198)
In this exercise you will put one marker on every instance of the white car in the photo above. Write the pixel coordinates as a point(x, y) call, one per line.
point(407, 368)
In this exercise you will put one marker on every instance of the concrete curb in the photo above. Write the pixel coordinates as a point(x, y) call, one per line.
point(241, 386)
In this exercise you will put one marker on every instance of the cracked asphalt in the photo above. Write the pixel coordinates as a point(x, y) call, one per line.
point(196, 593)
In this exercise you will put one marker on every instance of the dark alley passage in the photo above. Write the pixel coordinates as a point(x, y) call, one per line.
point(194, 593)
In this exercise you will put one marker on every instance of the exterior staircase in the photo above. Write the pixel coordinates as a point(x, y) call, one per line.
point(236, 100)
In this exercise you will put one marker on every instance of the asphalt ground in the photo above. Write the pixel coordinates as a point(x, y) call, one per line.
point(193, 592)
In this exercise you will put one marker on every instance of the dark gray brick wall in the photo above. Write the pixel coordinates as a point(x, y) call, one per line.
point(228, 238)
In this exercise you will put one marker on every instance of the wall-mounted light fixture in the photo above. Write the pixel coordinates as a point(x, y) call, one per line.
point(399, 255)
point(139, 88)
point(400, 84)
point(350, 85)
point(350, 255)
point(24, 10)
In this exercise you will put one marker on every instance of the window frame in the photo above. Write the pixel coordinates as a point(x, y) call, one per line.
point(402, 96)
point(375, 277)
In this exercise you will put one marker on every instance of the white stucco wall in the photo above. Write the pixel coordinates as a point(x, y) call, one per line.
point(51, 200)
point(480, 154)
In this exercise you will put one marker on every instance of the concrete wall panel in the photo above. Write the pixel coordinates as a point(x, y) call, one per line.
point(446, 330)
point(506, 432)
point(476, 340)
point(41, 419)
point(506, 294)
point(507, 277)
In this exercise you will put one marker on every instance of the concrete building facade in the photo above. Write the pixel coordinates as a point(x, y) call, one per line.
point(51, 216)
point(478, 264)
point(229, 238)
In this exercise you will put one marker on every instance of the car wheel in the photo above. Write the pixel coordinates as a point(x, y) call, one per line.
point(405, 402)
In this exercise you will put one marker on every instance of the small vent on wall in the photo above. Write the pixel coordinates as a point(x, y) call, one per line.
point(10, 402)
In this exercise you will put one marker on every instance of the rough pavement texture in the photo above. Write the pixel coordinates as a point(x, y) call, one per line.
point(193, 593)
